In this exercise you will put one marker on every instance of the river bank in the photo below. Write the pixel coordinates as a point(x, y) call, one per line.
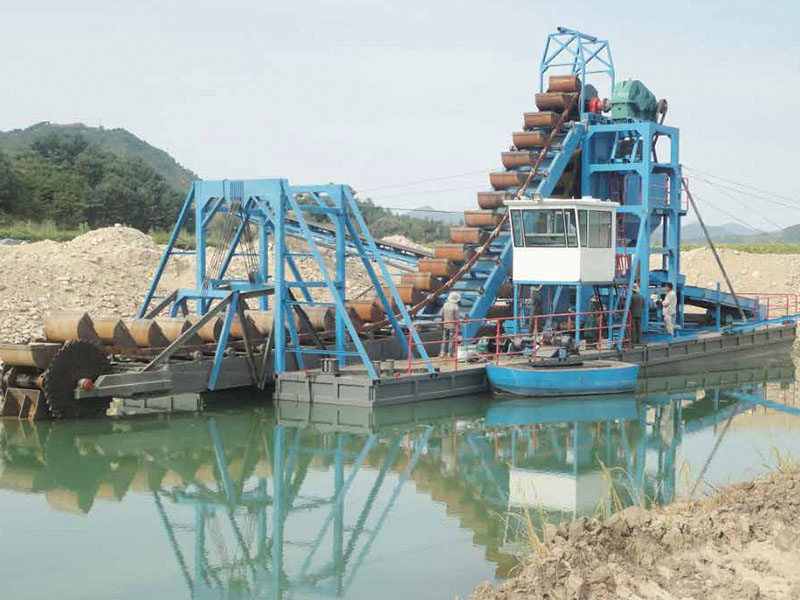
point(741, 542)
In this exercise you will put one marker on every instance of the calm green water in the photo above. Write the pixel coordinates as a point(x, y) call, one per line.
point(406, 502)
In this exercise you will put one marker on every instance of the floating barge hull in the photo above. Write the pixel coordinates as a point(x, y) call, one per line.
point(352, 386)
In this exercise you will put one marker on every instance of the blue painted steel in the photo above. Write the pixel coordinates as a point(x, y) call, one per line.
point(760, 401)
point(581, 54)
point(173, 238)
point(750, 326)
point(333, 289)
point(712, 299)
point(265, 205)
point(279, 283)
point(543, 186)
point(222, 343)
point(610, 170)
point(596, 377)
point(367, 236)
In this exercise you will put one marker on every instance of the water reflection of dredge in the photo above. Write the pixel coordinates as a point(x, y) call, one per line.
point(257, 503)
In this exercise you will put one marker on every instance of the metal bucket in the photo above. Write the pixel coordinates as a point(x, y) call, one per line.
point(64, 326)
point(467, 235)
point(564, 83)
point(482, 218)
point(36, 355)
point(501, 180)
point(529, 139)
point(112, 331)
point(441, 267)
point(146, 333)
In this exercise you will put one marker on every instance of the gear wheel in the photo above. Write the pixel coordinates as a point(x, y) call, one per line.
point(75, 360)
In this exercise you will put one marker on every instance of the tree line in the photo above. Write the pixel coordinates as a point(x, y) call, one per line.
point(64, 179)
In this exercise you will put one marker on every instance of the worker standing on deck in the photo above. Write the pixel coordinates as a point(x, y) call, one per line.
point(449, 317)
point(669, 308)
point(637, 309)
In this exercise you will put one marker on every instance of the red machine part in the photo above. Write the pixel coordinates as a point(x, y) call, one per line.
point(597, 105)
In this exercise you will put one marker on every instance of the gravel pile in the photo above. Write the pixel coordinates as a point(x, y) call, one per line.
point(744, 542)
point(404, 241)
point(106, 272)
point(748, 272)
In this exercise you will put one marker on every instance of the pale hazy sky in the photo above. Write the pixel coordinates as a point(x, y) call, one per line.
point(377, 93)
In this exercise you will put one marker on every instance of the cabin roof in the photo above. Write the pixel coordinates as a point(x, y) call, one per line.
point(562, 203)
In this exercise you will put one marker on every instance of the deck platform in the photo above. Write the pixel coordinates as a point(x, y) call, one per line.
point(351, 386)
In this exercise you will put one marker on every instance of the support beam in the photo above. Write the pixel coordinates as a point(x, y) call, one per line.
point(713, 249)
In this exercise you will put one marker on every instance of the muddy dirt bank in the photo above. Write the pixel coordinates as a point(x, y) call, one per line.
point(742, 542)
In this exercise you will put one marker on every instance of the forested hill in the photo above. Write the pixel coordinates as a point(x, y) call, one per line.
point(74, 176)
point(119, 142)
point(65, 180)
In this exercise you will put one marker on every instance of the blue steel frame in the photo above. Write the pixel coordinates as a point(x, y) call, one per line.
point(622, 154)
point(265, 204)
point(625, 152)
point(581, 53)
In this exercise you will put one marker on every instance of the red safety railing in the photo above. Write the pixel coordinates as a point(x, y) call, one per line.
point(503, 337)
point(773, 305)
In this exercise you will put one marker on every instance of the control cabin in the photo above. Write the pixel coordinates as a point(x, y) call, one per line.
point(563, 241)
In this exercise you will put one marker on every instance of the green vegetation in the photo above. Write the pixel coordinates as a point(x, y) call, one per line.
point(764, 248)
point(35, 232)
point(118, 142)
point(58, 181)
point(382, 222)
point(63, 179)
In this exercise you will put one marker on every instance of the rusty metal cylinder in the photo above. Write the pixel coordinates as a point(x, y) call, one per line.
point(482, 218)
point(553, 101)
point(408, 293)
point(454, 252)
point(237, 329)
point(146, 333)
point(490, 200)
point(503, 180)
point(467, 235)
point(514, 160)
point(524, 140)
point(421, 281)
point(322, 318)
point(173, 327)
point(500, 310)
point(440, 267)
point(369, 310)
point(209, 332)
point(540, 119)
point(564, 83)
point(113, 332)
point(36, 355)
point(262, 320)
point(69, 325)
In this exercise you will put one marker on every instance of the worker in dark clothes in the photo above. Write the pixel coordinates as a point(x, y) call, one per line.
point(637, 309)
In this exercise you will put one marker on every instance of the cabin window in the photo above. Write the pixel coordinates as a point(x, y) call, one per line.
point(599, 229)
point(571, 227)
point(544, 228)
point(582, 219)
point(516, 228)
